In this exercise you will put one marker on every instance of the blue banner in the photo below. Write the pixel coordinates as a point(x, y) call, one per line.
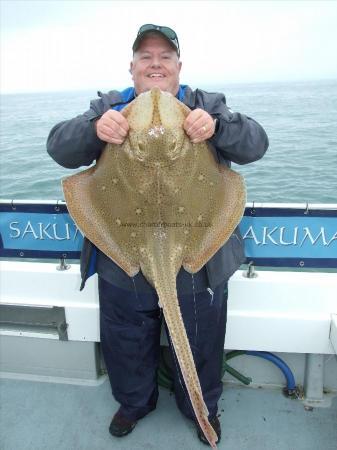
point(290, 241)
point(273, 236)
point(43, 231)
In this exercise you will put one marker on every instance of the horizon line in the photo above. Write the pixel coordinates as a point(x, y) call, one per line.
point(210, 84)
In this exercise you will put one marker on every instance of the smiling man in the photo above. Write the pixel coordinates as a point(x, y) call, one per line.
point(130, 318)
point(155, 63)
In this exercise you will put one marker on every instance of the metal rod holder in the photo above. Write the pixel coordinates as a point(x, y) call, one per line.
point(250, 273)
point(63, 265)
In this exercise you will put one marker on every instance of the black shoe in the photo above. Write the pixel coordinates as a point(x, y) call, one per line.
point(217, 428)
point(121, 426)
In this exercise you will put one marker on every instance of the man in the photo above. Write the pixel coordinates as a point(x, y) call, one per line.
point(130, 318)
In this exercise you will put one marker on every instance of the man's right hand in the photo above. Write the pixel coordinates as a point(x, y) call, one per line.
point(112, 127)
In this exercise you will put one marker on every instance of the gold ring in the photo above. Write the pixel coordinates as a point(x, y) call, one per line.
point(204, 128)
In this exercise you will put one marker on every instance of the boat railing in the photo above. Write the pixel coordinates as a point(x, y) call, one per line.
point(283, 299)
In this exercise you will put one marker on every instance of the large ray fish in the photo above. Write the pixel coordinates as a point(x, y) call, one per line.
point(156, 203)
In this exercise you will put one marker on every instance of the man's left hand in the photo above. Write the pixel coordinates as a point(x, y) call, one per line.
point(199, 125)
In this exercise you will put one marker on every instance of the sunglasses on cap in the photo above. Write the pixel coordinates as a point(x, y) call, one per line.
point(166, 31)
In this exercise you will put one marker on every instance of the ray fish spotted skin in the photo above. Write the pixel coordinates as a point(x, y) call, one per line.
point(156, 203)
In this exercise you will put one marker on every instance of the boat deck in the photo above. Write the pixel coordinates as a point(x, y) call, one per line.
point(48, 416)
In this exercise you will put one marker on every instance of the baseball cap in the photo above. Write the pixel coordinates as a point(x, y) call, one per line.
point(167, 32)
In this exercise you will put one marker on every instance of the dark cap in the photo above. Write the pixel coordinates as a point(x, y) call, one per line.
point(169, 34)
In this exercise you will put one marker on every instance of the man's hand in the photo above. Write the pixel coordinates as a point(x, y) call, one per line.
point(199, 125)
point(112, 127)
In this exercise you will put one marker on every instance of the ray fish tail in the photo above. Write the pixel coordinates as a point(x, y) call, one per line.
point(168, 300)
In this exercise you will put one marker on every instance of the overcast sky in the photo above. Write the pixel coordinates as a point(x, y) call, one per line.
point(76, 44)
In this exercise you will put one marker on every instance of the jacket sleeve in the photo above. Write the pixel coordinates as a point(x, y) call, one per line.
point(238, 138)
point(73, 143)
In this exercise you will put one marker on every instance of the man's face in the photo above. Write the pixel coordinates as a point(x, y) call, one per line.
point(155, 63)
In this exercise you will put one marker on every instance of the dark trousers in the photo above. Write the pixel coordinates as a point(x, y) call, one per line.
point(130, 325)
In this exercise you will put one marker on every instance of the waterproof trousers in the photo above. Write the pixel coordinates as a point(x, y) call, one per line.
point(130, 326)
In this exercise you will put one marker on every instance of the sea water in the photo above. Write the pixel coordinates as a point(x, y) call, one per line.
point(300, 119)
